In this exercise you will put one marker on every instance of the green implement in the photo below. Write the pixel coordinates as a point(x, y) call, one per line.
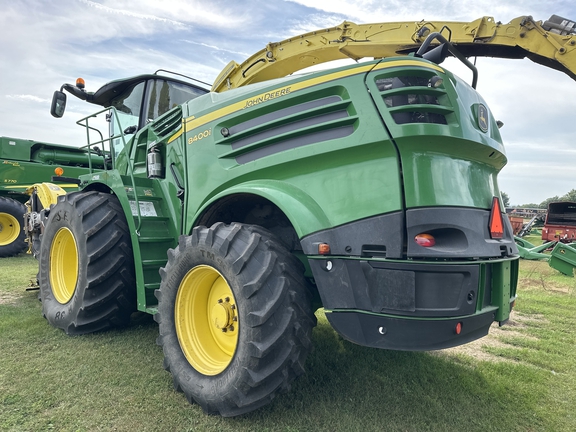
point(562, 256)
point(24, 163)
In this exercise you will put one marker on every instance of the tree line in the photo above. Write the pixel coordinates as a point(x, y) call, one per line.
point(570, 196)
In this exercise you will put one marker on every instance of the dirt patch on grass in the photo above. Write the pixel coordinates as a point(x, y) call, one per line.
point(9, 298)
point(521, 320)
point(477, 349)
point(546, 285)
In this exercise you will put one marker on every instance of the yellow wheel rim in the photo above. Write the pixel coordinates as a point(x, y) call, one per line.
point(63, 265)
point(9, 229)
point(206, 320)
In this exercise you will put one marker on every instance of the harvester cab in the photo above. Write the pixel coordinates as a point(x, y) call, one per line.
point(134, 101)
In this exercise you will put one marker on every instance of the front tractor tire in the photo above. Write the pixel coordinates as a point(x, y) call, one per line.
point(235, 317)
point(11, 233)
point(86, 272)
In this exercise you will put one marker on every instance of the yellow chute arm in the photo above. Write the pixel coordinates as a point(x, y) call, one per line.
point(552, 44)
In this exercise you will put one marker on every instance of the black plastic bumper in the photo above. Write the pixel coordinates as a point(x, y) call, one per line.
point(381, 292)
point(412, 306)
point(419, 290)
point(408, 334)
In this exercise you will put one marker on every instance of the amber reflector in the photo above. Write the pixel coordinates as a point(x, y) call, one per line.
point(59, 171)
point(496, 225)
point(323, 249)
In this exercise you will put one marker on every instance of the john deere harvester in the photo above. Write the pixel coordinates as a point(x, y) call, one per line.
point(369, 190)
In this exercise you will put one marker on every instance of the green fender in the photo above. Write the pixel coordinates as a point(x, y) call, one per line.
point(303, 212)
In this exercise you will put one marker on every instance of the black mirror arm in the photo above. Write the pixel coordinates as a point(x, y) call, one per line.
point(424, 47)
point(78, 92)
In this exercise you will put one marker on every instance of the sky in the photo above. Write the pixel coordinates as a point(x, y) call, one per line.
point(45, 43)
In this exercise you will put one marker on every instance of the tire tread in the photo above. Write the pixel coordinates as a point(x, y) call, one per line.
point(108, 297)
point(281, 318)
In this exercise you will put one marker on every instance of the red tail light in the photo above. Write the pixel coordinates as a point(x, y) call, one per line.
point(496, 224)
point(425, 240)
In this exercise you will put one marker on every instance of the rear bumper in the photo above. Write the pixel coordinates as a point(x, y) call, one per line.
point(396, 333)
point(411, 305)
point(376, 281)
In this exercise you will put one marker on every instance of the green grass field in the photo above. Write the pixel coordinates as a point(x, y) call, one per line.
point(520, 378)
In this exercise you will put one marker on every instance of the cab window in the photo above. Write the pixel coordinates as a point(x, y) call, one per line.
point(128, 106)
point(163, 95)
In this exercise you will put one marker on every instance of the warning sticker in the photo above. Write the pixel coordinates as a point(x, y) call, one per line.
point(146, 208)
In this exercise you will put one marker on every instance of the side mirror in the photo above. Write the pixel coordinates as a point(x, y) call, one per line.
point(58, 104)
point(438, 54)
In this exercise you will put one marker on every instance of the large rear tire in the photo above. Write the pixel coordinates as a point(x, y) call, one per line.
point(86, 273)
point(235, 317)
point(11, 233)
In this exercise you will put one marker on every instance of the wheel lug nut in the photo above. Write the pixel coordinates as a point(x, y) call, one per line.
point(219, 300)
point(232, 306)
point(231, 328)
point(234, 318)
point(224, 330)
point(227, 299)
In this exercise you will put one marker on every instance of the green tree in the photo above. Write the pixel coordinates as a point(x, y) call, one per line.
point(570, 196)
point(544, 204)
point(505, 199)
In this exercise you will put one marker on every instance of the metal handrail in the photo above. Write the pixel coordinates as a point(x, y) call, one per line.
point(109, 141)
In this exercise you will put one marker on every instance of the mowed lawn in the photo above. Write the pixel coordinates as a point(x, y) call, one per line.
point(520, 378)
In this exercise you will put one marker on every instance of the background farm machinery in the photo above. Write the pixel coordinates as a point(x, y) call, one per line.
point(558, 235)
point(24, 164)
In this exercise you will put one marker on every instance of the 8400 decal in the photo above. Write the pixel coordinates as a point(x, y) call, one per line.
point(200, 136)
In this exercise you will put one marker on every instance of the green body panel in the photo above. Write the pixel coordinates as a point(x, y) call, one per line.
point(504, 277)
point(446, 164)
point(357, 175)
point(444, 179)
point(300, 208)
point(353, 176)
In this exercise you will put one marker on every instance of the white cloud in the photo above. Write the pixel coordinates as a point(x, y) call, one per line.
point(370, 11)
point(27, 97)
point(130, 13)
point(217, 48)
point(216, 14)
